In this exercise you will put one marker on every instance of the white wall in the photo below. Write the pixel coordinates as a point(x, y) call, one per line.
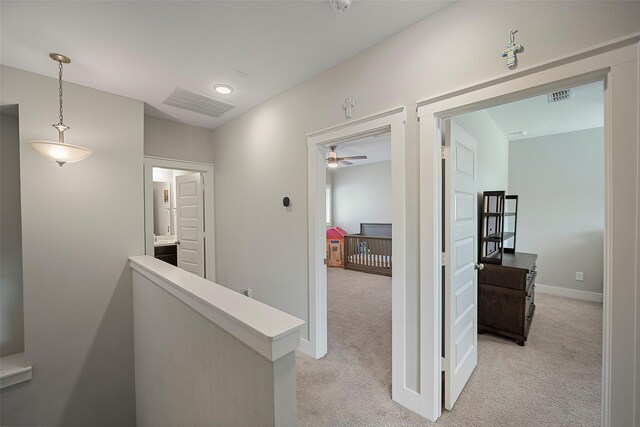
point(456, 47)
point(493, 151)
point(329, 182)
point(169, 175)
point(161, 209)
point(162, 175)
point(11, 314)
point(80, 223)
point(560, 183)
point(172, 140)
point(361, 194)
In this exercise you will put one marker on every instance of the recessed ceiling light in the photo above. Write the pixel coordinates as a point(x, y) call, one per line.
point(223, 89)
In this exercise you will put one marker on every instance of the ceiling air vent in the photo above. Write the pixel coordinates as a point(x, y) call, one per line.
point(186, 100)
point(560, 95)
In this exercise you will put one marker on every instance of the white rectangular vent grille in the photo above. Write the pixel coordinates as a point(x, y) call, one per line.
point(186, 100)
point(560, 95)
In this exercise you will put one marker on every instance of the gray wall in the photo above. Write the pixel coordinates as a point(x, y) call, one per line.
point(361, 194)
point(79, 224)
point(191, 372)
point(561, 211)
point(455, 47)
point(178, 141)
point(493, 150)
point(11, 313)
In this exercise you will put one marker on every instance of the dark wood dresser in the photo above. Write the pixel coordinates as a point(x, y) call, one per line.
point(506, 295)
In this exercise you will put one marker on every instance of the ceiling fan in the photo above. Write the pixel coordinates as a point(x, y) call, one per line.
point(333, 159)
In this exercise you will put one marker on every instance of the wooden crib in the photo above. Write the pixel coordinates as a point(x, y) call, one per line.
point(369, 251)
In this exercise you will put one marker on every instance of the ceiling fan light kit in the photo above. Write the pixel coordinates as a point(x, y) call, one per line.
point(340, 5)
point(60, 152)
point(333, 160)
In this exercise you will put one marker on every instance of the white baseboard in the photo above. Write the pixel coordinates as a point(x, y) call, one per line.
point(569, 293)
point(306, 348)
point(309, 350)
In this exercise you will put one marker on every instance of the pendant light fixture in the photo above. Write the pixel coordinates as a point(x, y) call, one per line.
point(60, 152)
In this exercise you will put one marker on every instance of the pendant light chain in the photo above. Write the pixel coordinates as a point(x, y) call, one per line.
point(58, 151)
point(60, 80)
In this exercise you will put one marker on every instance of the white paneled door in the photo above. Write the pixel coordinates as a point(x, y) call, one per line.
point(190, 216)
point(461, 278)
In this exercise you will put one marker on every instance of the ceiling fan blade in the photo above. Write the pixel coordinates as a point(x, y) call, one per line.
point(344, 162)
point(352, 158)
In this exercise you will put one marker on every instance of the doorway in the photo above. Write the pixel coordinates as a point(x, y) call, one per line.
point(524, 239)
point(359, 286)
point(617, 65)
point(405, 352)
point(179, 214)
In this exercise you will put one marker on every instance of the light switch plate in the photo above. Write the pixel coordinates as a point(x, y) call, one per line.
point(579, 276)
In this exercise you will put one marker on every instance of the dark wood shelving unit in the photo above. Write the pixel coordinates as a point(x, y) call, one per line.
point(498, 226)
point(498, 237)
point(502, 213)
point(511, 223)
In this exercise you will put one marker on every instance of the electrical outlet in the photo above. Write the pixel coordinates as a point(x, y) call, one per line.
point(579, 276)
point(248, 293)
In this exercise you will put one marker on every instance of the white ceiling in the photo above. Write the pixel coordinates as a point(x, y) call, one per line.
point(377, 148)
point(585, 110)
point(143, 50)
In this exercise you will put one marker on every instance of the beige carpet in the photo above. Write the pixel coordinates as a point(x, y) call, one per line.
point(553, 381)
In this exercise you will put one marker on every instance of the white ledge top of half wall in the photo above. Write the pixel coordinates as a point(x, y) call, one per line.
point(269, 331)
point(14, 369)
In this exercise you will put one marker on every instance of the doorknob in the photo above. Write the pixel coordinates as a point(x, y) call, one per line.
point(479, 266)
point(178, 242)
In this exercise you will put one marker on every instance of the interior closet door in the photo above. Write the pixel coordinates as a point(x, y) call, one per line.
point(461, 247)
point(190, 220)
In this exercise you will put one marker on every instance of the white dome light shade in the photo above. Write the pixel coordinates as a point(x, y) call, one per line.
point(332, 164)
point(223, 89)
point(60, 152)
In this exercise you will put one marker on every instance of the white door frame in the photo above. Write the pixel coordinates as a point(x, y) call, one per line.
point(393, 120)
point(616, 63)
point(207, 171)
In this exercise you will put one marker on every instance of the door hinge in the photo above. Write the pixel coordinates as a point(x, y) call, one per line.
point(325, 261)
point(445, 152)
point(442, 364)
point(443, 259)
